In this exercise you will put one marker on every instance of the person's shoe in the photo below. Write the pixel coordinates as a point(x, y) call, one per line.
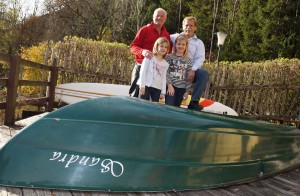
point(195, 106)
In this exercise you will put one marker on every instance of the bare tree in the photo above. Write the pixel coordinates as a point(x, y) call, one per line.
point(95, 19)
point(215, 13)
point(86, 18)
point(119, 12)
point(138, 9)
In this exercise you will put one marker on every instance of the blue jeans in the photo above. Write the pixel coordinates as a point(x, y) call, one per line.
point(177, 98)
point(201, 79)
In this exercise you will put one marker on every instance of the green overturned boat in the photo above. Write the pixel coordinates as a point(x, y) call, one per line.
point(127, 144)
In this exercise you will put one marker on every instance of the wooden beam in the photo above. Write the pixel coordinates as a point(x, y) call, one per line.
point(32, 101)
point(35, 65)
point(32, 83)
point(52, 85)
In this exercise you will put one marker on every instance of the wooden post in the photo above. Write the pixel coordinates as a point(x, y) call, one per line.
point(12, 88)
point(53, 82)
point(298, 126)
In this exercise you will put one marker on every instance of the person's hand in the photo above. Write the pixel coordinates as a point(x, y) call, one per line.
point(171, 90)
point(191, 76)
point(162, 96)
point(147, 53)
point(185, 95)
point(142, 90)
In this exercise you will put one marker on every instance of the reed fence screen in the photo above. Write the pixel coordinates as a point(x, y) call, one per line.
point(82, 60)
point(267, 89)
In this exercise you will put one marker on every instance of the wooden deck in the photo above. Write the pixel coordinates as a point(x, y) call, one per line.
point(287, 184)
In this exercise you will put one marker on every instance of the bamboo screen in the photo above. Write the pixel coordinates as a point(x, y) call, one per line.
point(263, 89)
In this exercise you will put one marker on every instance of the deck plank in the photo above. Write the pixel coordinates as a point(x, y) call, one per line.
point(245, 190)
point(13, 191)
point(286, 183)
point(43, 192)
point(280, 188)
point(61, 193)
point(3, 191)
point(214, 192)
point(266, 191)
point(191, 193)
point(282, 184)
point(29, 192)
point(78, 193)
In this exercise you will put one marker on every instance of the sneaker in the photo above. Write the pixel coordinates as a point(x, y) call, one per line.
point(195, 106)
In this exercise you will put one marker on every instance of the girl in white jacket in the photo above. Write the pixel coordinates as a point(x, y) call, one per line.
point(153, 73)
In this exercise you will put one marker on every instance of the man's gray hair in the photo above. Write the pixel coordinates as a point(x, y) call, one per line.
point(159, 9)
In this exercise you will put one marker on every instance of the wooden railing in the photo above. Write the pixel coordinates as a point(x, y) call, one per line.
point(13, 81)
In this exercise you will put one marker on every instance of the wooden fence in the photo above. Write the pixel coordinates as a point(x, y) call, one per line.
point(13, 82)
point(264, 90)
point(268, 90)
point(57, 74)
point(91, 61)
point(260, 91)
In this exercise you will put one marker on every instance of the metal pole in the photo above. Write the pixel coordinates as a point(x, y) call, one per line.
point(218, 56)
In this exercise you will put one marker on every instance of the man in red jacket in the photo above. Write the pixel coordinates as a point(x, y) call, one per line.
point(143, 42)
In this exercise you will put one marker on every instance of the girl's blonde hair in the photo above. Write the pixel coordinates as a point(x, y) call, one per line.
point(158, 42)
point(182, 38)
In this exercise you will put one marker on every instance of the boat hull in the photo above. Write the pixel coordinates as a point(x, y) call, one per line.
point(127, 144)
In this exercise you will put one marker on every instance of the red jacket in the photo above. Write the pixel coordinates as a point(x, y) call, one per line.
point(145, 39)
